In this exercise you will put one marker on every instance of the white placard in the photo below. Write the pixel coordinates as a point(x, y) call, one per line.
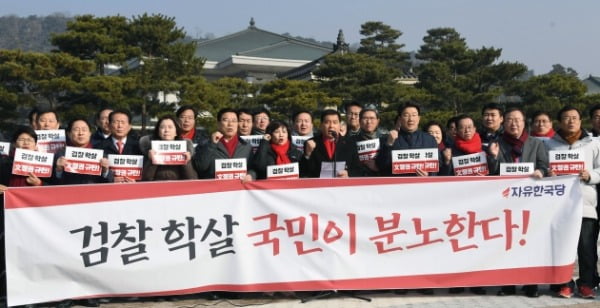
point(38, 163)
point(472, 164)
point(129, 166)
point(367, 149)
point(83, 160)
point(254, 141)
point(4, 148)
point(169, 152)
point(517, 168)
point(51, 141)
point(286, 171)
point(408, 161)
point(230, 169)
point(566, 161)
point(298, 141)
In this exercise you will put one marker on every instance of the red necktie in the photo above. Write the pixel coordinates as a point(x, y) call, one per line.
point(120, 146)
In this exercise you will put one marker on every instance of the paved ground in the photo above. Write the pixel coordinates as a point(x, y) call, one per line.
point(379, 299)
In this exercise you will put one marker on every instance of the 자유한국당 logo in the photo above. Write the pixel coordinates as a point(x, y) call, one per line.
point(528, 191)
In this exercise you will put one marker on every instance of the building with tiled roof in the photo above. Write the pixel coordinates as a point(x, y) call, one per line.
point(256, 55)
point(593, 85)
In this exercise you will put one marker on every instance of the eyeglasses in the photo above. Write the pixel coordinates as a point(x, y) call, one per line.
point(26, 140)
point(186, 118)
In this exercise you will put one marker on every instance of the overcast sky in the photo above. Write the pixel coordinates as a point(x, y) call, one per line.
point(538, 33)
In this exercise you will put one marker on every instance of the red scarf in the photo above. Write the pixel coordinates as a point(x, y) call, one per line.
point(468, 146)
point(17, 181)
point(549, 134)
point(441, 146)
point(281, 153)
point(189, 135)
point(516, 144)
point(329, 146)
point(230, 145)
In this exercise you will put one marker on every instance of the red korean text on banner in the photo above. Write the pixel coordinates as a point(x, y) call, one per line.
point(367, 149)
point(408, 161)
point(472, 164)
point(27, 162)
point(566, 161)
point(129, 166)
point(230, 169)
point(115, 237)
point(169, 152)
point(83, 160)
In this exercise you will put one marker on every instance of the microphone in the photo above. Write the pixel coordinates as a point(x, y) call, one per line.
point(334, 134)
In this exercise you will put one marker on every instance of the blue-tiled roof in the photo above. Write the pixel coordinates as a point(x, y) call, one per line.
point(256, 42)
point(593, 84)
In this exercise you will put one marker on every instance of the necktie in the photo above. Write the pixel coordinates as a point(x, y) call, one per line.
point(120, 146)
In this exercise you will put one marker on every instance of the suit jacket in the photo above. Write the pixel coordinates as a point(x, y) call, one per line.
point(131, 147)
point(97, 139)
point(405, 141)
point(345, 150)
point(534, 151)
point(207, 153)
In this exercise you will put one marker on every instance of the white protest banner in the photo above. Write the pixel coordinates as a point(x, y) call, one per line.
point(566, 161)
point(286, 171)
point(169, 152)
point(298, 141)
point(229, 169)
point(306, 234)
point(26, 162)
point(83, 160)
point(4, 148)
point(254, 141)
point(516, 168)
point(408, 161)
point(472, 164)
point(367, 149)
point(51, 141)
point(129, 166)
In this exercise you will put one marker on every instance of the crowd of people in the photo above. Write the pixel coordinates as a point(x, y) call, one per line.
point(332, 150)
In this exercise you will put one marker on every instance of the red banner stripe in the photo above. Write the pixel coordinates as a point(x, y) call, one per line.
point(21, 197)
point(539, 275)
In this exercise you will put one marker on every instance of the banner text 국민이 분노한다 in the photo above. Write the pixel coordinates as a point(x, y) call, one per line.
point(279, 235)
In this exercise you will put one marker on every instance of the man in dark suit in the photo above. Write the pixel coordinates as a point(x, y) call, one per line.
point(329, 146)
point(103, 131)
point(120, 143)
